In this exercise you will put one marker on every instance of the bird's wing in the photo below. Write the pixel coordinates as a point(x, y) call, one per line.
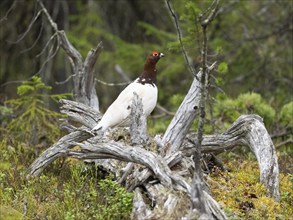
point(120, 109)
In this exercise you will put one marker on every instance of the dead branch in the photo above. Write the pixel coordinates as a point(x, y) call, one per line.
point(28, 29)
point(56, 151)
point(138, 125)
point(191, 69)
point(83, 76)
point(283, 143)
point(197, 195)
point(171, 172)
point(247, 130)
point(185, 115)
point(4, 18)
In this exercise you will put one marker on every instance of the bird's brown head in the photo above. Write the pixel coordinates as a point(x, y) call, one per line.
point(150, 72)
point(154, 57)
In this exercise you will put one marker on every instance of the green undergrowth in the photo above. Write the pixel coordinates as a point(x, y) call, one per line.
point(66, 190)
point(242, 195)
point(31, 116)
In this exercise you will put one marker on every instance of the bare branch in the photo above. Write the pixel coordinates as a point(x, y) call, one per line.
point(66, 45)
point(83, 77)
point(208, 16)
point(197, 196)
point(120, 71)
point(4, 18)
point(120, 151)
point(112, 84)
point(89, 64)
point(51, 55)
point(66, 80)
point(79, 112)
point(56, 151)
point(191, 69)
point(52, 23)
point(243, 132)
point(164, 110)
point(35, 43)
point(70, 50)
point(92, 57)
point(289, 141)
point(47, 44)
point(247, 130)
point(28, 29)
point(185, 115)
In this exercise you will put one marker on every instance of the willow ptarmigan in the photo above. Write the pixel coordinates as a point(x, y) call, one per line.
point(144, 86)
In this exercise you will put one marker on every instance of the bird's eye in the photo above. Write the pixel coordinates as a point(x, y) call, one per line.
point(155, 54)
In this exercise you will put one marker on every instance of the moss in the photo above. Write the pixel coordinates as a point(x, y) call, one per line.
point(243, 196)
point(72, 194)
point(286, 115)
point(228, 110)
point(9, 213)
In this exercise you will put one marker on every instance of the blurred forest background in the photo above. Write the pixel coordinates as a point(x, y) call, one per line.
point(250, 40)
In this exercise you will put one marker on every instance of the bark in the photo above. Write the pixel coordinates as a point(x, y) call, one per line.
point(247, 130)
point(138, 125)
point(185, 115)
point(164, 179)
point(83, 71)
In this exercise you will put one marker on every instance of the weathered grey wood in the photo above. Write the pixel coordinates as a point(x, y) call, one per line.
point(198, 200)
point(126, 171)
point(89, 82)
point(138, 125)
point(142, 176)
point(183, 118)
point(55, 151)
point(119, 151)
point(83, 78)
point(238, 134)
point(214, 207)
point(242, 132)
point(140, 209)
point(170, 204)
point(92, 147)
point(185, 115)
point(261, 144)
point(80, 113)
point(247, 130)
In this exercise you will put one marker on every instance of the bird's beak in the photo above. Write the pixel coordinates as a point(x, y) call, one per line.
point(161, 55)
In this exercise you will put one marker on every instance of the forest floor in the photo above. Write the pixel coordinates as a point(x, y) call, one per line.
point(70, 190)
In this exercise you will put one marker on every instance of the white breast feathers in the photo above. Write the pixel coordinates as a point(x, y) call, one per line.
point(119, 110)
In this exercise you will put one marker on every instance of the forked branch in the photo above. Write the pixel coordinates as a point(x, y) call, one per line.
point(83, 76)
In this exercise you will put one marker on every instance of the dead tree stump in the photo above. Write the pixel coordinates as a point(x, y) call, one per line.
point(170, 188)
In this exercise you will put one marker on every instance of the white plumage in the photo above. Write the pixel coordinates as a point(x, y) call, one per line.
point(119, 110)
point(144, 86)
